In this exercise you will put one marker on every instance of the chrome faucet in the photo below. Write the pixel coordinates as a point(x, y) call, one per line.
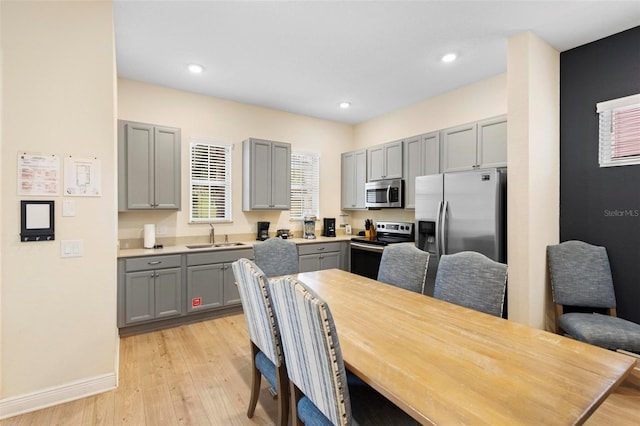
point(212, 234)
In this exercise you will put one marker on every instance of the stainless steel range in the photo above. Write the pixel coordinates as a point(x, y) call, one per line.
point(366, 253)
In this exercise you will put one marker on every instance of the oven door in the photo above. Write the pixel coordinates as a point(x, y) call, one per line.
point(365, 259)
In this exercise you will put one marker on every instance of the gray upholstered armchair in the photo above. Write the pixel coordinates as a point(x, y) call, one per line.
point(276, 256)
point(472, 280)
point(582, 288)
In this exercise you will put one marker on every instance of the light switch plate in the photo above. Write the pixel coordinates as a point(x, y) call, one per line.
point(71, 248)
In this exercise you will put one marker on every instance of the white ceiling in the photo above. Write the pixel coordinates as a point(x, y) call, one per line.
point(307, 56)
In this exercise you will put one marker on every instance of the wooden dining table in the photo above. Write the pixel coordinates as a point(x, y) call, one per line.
point(444, 364)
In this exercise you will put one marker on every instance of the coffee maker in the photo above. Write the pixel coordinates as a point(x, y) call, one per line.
point(263, 231)
point(329, 228)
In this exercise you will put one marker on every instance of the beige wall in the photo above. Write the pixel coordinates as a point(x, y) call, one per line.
point(58, 316)
point(1, 186)
point(534, 179)
point(476, 101)
point(230, 123)
point(483, 99)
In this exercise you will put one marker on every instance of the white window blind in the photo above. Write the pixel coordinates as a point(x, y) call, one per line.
point(210, 182)
point(619, 131)
point(305, 185)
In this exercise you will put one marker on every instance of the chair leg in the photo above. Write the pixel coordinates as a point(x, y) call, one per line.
point(296, 394)
point(283, 395)
point(256, 377)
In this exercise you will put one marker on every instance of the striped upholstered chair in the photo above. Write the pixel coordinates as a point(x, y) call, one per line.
point(319, 384)
point(583, 291)
point(266, 351)
point(405, 266)
point(472, 280)
point(276, 256)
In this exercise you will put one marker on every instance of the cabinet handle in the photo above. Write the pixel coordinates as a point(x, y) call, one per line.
point(155, 262)
point(321, 248)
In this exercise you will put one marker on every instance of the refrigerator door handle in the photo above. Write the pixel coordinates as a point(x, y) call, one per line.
point(443, 229)
point(439, 230)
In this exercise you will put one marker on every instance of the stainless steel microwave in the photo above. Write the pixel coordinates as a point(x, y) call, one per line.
point(384, 193)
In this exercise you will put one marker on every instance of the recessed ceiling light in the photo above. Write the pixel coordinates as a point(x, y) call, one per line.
point(195, 68)
point(449, 57)
point(345, 105)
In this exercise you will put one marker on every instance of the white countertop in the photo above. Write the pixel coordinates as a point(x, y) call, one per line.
point(179, 249)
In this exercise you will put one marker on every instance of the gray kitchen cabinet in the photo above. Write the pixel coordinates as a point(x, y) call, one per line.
point(475, 145)
point(152, 288)
point(459, 146)
point(148, 167)
point(210, 279)
point(421, 157)
point(354, 176)
point(385, 161)
point(492, 142)
point(205, 286)
point(266, 175)
point(319, 256)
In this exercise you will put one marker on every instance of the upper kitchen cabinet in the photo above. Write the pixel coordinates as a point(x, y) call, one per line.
point(266, 175)
point(385, 161)
point(421, 157)
point(354, 176)
point(492, 142)
point(148, 167)
point(475, 145)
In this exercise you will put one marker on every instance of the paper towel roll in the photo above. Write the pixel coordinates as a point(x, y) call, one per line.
point(149, 235)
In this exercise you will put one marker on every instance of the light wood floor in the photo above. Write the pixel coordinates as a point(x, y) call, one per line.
point(198, 374)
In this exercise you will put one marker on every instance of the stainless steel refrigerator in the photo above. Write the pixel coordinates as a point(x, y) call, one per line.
point(461, 211)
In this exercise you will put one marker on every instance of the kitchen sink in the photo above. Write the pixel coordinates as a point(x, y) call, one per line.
point(228, 244)
point(199, 246)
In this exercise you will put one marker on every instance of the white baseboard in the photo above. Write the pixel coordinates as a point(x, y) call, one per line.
point(25, 403)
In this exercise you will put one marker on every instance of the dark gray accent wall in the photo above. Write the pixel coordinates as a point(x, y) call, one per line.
point(600, 205)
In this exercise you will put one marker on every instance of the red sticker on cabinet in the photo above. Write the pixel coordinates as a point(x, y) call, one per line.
point(196, 301)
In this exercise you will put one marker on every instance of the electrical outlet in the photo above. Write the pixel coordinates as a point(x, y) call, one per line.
point(161, 230)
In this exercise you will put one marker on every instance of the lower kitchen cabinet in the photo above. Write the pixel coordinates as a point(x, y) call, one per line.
point(210, 280)
point(205, 285)
point(152, 288)
point(316, 257)
point(163, 290)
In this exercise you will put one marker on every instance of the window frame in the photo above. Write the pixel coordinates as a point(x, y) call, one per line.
point(619, 131)
point(225, 183)
point(298, 158)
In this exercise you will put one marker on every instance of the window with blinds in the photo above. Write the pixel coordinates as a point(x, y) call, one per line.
point(210, 182)
point(619, 131)
point(305, 185)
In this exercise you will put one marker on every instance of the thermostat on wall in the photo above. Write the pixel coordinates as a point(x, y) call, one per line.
point(37, 220)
